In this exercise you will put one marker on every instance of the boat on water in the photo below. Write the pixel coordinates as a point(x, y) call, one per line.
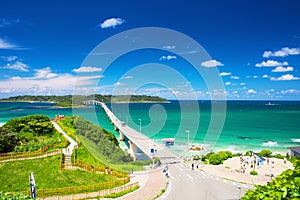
point(270, 104)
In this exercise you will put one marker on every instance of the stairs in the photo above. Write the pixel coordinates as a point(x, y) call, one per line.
point(68, 161)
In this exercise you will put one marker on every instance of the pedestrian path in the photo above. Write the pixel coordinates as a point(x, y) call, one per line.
point(150, 182)
point(69, 150)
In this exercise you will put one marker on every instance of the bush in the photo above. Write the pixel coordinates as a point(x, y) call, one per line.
point(279, 156)
point(196, 157)
point(215, 159)
point(15, 196)
point(254, 173)
point(225, 155)
point(265, 153)
point(8, 140)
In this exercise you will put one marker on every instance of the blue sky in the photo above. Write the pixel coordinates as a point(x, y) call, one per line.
point(254, 45)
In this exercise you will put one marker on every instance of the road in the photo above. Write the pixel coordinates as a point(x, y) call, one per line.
point(185, 183)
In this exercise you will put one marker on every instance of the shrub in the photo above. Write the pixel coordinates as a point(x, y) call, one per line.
point(225, 155)
point(279, 156)
point(265, 153)
point(196, 157)
point(15, 196)
point(8, 140)
point(215, 159)
point(254, 173)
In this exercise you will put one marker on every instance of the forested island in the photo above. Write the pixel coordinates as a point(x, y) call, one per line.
point(77, 100)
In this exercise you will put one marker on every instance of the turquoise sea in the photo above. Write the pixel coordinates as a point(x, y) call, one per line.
point(248, 125)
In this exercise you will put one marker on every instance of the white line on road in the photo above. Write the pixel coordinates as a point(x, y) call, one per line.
point(190, 176)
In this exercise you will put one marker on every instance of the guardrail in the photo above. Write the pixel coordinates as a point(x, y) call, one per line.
point(99, 188)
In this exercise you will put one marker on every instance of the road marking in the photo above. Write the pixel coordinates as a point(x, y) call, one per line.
point(190, 176)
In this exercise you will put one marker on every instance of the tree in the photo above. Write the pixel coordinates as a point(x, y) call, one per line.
point(265, 153)
point(8, 140)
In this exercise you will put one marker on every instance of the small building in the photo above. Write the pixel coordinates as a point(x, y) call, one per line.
point(295, 151)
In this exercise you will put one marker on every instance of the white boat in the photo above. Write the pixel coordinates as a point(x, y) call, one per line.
point(270, 104)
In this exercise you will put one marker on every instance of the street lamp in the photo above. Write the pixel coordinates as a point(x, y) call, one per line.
point(188, 133)
point(140, 125)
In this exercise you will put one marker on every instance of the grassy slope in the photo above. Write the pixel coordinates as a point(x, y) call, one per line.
point(14, 175)
point(90, 154)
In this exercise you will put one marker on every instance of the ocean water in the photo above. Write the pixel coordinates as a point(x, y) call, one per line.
point(248, 125)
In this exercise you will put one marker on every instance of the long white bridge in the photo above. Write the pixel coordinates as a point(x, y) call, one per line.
point(136, 139)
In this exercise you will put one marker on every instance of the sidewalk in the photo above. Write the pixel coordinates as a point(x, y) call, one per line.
point(150, 182)
point(73, 144)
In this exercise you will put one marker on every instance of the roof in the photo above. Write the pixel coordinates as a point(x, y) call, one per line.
point(297, 149)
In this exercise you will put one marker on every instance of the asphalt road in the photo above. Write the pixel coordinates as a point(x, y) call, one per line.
point(185, 183)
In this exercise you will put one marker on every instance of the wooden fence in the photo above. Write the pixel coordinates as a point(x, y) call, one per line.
point(27, 155)
point(42, 193)
point(91, 168)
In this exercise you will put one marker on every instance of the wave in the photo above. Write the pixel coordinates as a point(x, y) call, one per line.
point(1, 124)
point(270, 144)
point(296, 140)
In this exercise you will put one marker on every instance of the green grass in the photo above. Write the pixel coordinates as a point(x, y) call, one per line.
point(88, 152)
point(14, 175)
point(254, 173)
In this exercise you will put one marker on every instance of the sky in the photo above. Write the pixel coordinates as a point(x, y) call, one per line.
point(253, 48)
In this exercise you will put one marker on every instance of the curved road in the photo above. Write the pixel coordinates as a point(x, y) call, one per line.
point(185, 183)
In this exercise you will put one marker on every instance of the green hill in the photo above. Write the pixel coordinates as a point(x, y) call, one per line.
point(77, 100)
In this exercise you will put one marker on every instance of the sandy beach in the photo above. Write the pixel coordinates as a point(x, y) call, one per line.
point(231, 169)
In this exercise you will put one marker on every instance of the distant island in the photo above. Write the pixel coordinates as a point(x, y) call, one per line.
point(77, 100)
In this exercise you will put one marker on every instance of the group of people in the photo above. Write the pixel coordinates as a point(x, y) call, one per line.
point(255, 161)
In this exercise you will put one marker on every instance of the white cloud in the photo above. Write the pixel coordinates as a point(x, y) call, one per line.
point(255, 76)
point(235, 77)
point(118, 84)
point(265, 76)
point(225, 74)
point(44, 73)
point(211, 63)
point(242, 83)
point(290, 91)
point(251, 91)
point(60, 84)
point(227, 83)
point(6, 45)
point(87, 69)
point(9, 58)
point(270, 63)
point(167, 57)
point(16, 66)
point(283, 69)
point(169, 47)
point(112, 22)
point(282, 52)
point(286, 77)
